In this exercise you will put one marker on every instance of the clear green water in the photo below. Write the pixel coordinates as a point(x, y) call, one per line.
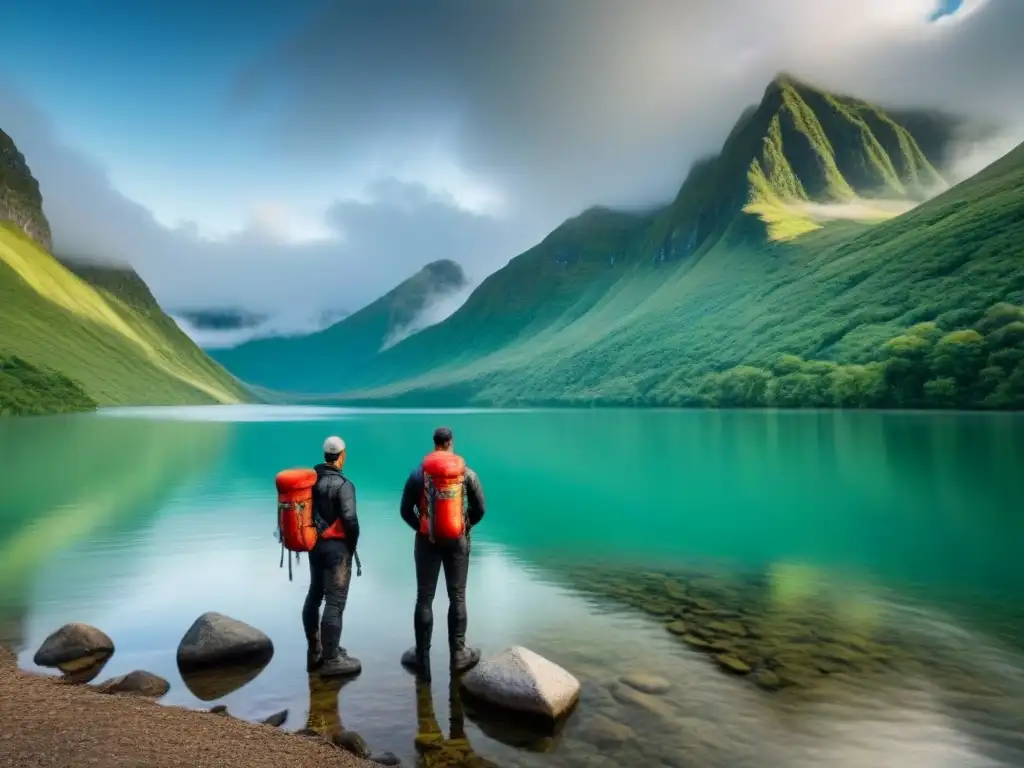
point(908, 525)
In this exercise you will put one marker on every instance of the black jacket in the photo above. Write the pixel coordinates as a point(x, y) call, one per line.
point(413, 491)
point(334, 498)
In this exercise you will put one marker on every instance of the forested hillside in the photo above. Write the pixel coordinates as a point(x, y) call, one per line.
point(798, 267)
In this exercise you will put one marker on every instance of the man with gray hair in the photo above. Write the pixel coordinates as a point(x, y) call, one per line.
point(330, 564)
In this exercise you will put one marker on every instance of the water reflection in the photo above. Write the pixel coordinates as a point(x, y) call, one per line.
point(324, 716)
point(433, 749)
point(217, 682)
point(86, 669)
point(115, 480)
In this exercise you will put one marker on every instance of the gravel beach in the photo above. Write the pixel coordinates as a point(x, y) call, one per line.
point(45, 722)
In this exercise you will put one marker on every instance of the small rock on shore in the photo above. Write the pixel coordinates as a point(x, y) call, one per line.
point(137, 683)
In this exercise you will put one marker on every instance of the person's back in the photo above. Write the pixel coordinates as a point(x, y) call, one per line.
point(441, 502)
point(330, 564)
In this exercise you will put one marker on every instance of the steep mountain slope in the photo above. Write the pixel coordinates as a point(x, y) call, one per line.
point(788, 242)
point(74, 335)
point(20, 199)
point(326, 360)
point(111, 339)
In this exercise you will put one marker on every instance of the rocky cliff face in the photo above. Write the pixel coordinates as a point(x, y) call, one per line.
point(20, 199)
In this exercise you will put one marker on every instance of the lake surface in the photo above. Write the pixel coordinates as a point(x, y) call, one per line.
point(866, 568)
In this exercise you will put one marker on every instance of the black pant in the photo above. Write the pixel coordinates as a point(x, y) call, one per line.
point(330, 571)
point(430, 558)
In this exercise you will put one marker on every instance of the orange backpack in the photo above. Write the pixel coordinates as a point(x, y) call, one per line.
point(295, 527)
point(442, 506)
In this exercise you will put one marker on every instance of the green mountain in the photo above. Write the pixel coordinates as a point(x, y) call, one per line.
point(332, 357)
point(796, 267)
point(73, 336)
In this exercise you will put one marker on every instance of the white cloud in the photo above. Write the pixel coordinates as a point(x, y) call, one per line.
point(402, 139)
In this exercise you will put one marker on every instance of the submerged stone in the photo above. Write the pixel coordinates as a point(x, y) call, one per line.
point(734, 628)
point(767, 680)
point(696, 642)
point(653, 704)
point(647, 683)
point(603, 731)
point(677, 627)
point(733, 664)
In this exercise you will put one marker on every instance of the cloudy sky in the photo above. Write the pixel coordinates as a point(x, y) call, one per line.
point(258, 153)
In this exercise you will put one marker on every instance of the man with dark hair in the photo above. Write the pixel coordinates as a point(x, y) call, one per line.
point(330, 564)
point(442, 501)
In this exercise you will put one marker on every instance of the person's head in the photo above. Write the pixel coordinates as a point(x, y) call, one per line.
point(334, 451)
point(443, 439)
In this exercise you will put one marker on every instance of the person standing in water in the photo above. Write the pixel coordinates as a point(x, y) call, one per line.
point(441, 502)
point(330, 564)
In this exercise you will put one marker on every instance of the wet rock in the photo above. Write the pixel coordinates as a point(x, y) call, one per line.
point(523, 681)
point(634, 698)
point(729, 627)
point(386, 758)
point(696, 642)
point(839, 653)
point(605, 732)
point(218, 639)
point(677, 627)
point(731, 663)
point(137, 683)
point(277, 719)
point(220, 709)
point(674, 589)
point(647, 683)
point(352, 742)
point(73, 642)
point(767, 680)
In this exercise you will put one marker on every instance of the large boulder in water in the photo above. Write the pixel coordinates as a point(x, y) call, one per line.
point(73, 643)
point(215, 639)
point(520, 680)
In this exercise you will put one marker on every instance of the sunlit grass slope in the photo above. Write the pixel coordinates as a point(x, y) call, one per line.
point(111, 340)
point(325, 361)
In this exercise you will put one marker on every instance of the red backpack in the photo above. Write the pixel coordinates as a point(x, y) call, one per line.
point(295, 527)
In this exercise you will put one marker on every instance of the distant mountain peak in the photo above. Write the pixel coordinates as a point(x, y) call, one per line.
point(445, 271)
point(799, 156)
point(785, 79)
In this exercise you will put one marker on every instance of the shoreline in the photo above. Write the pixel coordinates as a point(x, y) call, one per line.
point(45, 721)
